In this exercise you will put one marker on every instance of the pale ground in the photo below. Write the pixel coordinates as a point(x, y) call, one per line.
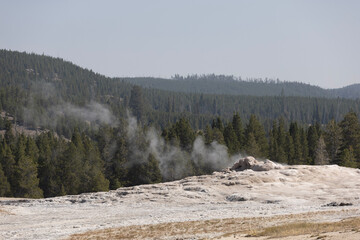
point(259, 199)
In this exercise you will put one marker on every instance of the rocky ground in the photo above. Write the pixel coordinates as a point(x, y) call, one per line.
point(315, 193)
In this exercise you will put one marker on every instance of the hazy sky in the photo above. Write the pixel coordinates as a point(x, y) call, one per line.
point(311, 41)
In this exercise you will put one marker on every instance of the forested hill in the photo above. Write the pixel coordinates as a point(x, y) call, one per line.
point(178, 135)
point(41, 91)
point(221, 84)
point(351, 91)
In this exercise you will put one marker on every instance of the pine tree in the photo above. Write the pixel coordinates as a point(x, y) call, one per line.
point(218, 124)
point(277, 142)
point(137, 103)
point(350, 127)
point(115, 168)
point(32, 150)
point(8, 163)
point(9, 136)
point(49, 180)
point(312, 139)
point(93, 179)
point(239, 130)
point(71, 169)
point(145, 172)
point(333, 140)
point(252, 147)
point(154, 169)
point(347, 158)
point(5, 190)
point(321, 155)
point(295, 133)
point(290, 149)
point(255, 128)
point(208, 135)
point(231, 139)
point(305, 159)
point(281, 140)
point(273, 143)
point(26, 180)
point(218, 136)
point(185, 134)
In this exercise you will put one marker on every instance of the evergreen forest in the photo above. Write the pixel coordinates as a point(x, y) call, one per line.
point(96, 133)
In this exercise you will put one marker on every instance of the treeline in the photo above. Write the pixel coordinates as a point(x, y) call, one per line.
point(334, 143)
point(48, 166)
point(230, 85)
point(128, 155)
point(37, 90)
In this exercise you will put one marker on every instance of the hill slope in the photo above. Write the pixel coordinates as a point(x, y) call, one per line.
point(351, 91)
point(219, 84)
point(41, 91)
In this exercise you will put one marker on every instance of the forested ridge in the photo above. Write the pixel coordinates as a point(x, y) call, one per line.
point(94, 143)
point(44, 91)
point(230, 85)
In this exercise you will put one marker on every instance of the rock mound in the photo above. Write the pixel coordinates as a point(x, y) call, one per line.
point(255, 165)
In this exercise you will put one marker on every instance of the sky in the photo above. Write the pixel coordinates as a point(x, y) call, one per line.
point(310, 41)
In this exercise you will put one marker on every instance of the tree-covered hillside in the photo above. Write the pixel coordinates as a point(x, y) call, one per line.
point(42, 91)
point(221, 84)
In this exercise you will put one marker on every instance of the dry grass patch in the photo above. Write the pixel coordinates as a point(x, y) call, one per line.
point(163, 230)
point(218, 227)
point(303, 228)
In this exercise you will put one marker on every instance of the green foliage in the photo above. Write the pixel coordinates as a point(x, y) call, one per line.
point(251, 147)
point(26, 182)
point(333, 140)
point(32, 86)
point(146, 172)
point(290, 149)
point(115, 167)
point(347, 158)
point(239, 130)
point(8, 163)
point(231, 140)
point(257, 143)
point(221, 84)
point(93, 178)
point(278, 142)
point(136, 102)
point(50, 166)
point(350, 127)
point(183, 132)
point(312, 140)
point(71, 169)
point(321, 155)
point(50, 151)
point(5, 190)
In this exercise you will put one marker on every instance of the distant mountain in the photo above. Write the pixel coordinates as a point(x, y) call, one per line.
point(221, 84)
point(351, 91)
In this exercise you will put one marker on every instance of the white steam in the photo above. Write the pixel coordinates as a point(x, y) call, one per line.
point(55, 108)
point(92, 112)
point(215, 154)
point(173, 161)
